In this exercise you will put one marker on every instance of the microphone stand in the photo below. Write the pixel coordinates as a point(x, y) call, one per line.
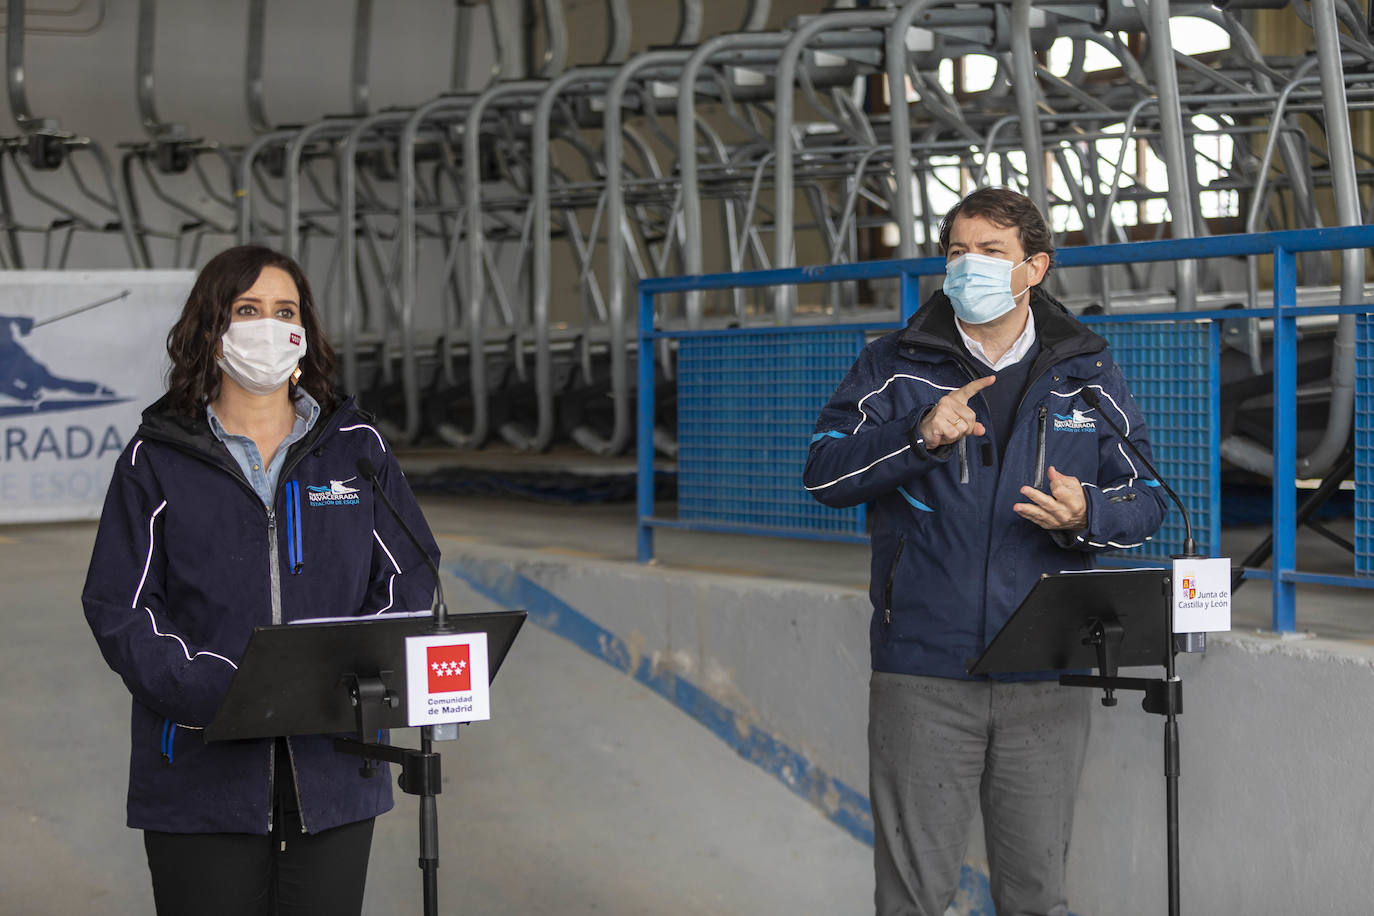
point(420, 770)
point(1163, 698)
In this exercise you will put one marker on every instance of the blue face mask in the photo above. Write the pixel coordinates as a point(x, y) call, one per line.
point(979, 287)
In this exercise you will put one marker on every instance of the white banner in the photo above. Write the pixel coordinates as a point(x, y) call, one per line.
point(81, 354)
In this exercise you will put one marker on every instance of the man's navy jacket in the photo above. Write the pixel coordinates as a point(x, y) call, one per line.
point(951, 560)
point(188, 560)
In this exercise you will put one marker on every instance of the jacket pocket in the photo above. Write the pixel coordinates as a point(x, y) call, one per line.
point(1041, 431)
point(168, 745)
point(295, 544)
point(892, 577)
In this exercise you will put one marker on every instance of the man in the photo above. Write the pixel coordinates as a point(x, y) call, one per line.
point(986, 468)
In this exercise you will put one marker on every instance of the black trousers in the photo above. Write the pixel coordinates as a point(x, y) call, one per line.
point(286, 873)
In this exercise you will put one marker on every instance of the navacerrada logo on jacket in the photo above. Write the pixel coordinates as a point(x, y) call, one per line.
point(338, 493)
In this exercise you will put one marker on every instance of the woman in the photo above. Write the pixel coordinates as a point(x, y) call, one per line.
point(238, 504)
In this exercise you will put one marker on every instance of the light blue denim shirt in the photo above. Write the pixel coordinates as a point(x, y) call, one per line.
point(245, 450)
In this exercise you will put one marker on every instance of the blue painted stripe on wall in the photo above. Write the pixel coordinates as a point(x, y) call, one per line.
point(848, 808)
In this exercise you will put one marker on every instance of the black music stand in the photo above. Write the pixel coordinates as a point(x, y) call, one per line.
point(349, 677)
point(1105, 619)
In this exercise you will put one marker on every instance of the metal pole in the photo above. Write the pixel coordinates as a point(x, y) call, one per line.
point(348, 239)
point(900, 115)
point(1027, 91)
point(295, 150)
point(429, 834)
point(244, 192)
point(253, 66)
point(362, 44)
point(147, 38)
point(615, 250)
point(14, 66)
point(644, 440)
point(1171, 133)
point(617, 32)
point(687, 146)
point(1285, 357)
point(476, 292)
point(783, 106)
point(542, 254)
point(1340, 152)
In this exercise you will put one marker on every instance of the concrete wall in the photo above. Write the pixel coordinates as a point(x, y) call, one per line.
point(1277, 805)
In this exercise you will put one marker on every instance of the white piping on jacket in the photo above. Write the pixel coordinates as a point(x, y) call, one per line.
point(152, 620)
point(879, 390)
point(394, 565)
point(148, 561)
point(390, 593)
point(344, 429)
point(185, 651)
point(904, 448)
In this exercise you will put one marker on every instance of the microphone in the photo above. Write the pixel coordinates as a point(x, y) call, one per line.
point(1189, 546)
point(439, 608)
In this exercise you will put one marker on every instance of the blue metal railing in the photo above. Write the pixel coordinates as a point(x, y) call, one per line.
point(1282, 246)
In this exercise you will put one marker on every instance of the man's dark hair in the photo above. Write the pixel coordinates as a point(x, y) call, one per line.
point(194, 380)
point(1005, 208)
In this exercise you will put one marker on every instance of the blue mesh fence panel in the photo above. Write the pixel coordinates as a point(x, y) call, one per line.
point(746, 405)
point(1171, 372)
point(1364, 446)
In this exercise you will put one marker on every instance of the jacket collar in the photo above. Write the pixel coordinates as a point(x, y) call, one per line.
point(193, 434)
point(1061, 335)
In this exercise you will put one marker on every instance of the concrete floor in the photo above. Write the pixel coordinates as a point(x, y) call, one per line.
point(587, 793)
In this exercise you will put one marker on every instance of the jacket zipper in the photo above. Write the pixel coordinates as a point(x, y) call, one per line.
point(274, 579)
point(891, 577)
point(274, 567)
point(1040, 447)
point(963, 460)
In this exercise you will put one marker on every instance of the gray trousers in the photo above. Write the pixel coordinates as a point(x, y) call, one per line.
point(937, 748)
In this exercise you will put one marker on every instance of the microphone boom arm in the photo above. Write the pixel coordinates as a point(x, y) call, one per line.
point(439, 608)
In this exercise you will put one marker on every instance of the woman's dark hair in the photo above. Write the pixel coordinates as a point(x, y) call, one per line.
point(195, 379)
point(1005, 208)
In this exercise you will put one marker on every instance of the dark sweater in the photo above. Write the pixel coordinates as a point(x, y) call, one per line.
point(1004, 395)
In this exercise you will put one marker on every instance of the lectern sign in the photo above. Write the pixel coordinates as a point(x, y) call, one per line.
point(446, 678)
point(1202, 595)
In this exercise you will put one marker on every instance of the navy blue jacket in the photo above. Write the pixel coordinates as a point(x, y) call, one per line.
point(951, 560)
point(187, 561)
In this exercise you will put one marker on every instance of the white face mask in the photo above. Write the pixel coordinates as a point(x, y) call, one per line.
point(979, 287)
point(261, 354)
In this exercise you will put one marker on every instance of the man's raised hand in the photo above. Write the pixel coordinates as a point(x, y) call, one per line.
point(952, 419)
point(1064, 508)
